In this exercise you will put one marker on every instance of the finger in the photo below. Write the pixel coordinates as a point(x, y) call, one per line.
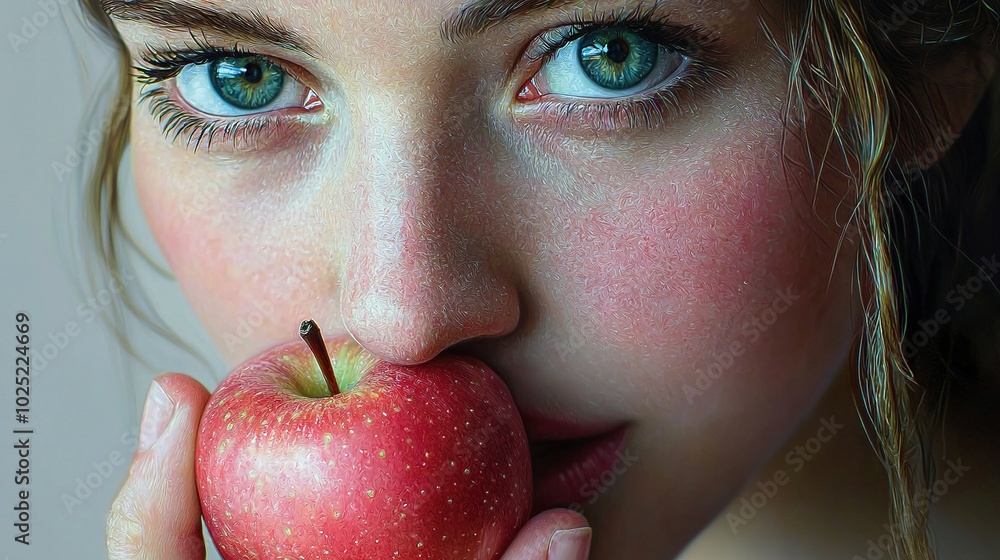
point(556, 534)
point(156, 514)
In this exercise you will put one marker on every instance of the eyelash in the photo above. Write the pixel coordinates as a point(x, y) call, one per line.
point(649, 109)
point(646, 110)
point(162, 64)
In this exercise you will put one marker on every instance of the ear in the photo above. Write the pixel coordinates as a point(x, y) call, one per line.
point(955, 79)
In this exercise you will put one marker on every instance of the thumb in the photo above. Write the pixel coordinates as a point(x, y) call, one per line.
point(157, 514)
point(556, 534)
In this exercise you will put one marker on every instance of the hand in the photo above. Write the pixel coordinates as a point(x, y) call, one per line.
point(556, 534)
point(157, 516)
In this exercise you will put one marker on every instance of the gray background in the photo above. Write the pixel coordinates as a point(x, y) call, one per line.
point(85, 401)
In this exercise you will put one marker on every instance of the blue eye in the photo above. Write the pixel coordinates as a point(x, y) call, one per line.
point(616, 59)
point(231, 86)
point(247, 83)
point(609, 62)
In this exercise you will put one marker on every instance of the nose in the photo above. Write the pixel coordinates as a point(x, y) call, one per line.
point(417, 276)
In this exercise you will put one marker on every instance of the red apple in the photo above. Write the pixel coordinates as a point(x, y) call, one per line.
point(301, 457)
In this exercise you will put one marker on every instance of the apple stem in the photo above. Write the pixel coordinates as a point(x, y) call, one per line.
point(310, 333)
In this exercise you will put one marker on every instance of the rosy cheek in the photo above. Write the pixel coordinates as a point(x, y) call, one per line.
point(245, 274)
point(678, 258)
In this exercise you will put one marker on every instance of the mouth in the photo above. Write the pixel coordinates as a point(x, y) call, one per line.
point(572, 464)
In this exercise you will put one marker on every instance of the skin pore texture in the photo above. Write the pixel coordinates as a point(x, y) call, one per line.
point(601, 270)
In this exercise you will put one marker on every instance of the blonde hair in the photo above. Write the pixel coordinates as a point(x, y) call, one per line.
point(860, 63)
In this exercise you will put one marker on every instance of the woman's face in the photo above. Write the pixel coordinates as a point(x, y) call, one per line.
point(611, 228)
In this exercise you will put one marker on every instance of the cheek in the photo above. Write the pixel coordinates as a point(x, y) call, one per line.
point(696, 253)
point(247, 278)
point(708, 245)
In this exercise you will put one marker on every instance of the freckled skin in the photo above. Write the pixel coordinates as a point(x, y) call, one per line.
point(428, 460)
point(596, 273)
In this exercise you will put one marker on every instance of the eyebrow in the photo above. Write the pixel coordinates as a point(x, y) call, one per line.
point(481, 15)
point(178, 16)
point(472, 19)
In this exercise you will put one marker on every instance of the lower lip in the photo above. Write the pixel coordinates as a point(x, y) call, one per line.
point(569, 473)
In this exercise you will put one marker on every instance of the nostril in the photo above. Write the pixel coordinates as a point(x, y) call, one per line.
point(405, 308)
point(403, 354)
point(420, 342)
point(390, 340)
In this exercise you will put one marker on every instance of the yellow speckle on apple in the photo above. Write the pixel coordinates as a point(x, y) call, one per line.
point(381, 452)
point(288, 531)
point(371, 493)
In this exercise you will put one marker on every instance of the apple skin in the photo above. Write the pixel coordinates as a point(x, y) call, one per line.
point(428, 461)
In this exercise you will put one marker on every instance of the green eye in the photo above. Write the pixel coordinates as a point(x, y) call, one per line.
point(248, 83)
point(617, 58)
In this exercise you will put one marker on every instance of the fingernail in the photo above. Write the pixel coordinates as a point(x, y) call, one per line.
point(570, 544)
point(156, 415)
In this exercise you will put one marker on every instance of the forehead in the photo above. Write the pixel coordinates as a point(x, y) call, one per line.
point(436, 12)
point(341, 24)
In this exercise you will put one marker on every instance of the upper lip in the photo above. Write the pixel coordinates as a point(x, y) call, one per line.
point(546, 426)
point(539, 427)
